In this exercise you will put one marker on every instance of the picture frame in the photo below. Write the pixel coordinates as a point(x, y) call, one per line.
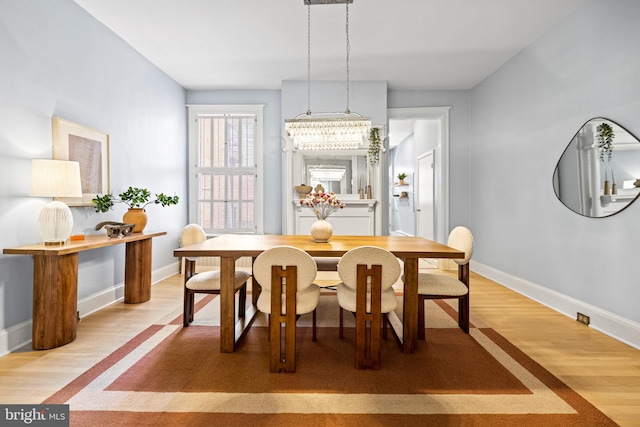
point(89, 147)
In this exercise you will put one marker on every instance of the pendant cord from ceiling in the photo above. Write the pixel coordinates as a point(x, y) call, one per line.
point(347, 111)
point(323, 132)
point(309, 59)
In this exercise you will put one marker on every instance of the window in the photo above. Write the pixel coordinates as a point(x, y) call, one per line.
point(224, 153)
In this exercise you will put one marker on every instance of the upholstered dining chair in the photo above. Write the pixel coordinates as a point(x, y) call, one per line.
point(327, 263)
point(440, 286)
point(367, 274)
point(286, 275)
point(207, 282)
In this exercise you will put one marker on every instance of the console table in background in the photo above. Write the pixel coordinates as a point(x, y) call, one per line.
point(55, 282)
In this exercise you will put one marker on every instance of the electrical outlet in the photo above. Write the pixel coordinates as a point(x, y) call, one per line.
point(583, 318)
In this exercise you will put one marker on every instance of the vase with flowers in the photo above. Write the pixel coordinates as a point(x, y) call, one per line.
point(322, 205)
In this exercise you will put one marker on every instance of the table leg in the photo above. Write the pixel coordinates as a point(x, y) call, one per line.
point(55, 300)
point(137, 272)
point(227, 304)
point(410, 306)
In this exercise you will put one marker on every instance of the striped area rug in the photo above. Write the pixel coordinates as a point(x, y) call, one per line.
point(175, 376)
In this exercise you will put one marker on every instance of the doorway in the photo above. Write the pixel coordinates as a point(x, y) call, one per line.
point(438, 117)
point(425, 196)
point(425, 202)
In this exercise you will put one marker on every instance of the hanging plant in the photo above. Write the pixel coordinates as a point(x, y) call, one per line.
point(605, 141)
point(375, 145)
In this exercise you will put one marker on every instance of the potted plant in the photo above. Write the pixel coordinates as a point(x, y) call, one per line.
point(375, 145)
point(137, 199)
point(401, 177)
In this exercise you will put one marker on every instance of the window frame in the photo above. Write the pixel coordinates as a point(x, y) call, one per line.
point(194, 111)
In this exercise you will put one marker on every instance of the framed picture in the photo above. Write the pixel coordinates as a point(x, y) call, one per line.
point(89, 147)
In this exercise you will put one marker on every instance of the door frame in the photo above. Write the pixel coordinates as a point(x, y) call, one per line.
point(441, 160)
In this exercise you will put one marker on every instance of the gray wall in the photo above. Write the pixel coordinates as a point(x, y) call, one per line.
point(522, 118)
point(57, 60)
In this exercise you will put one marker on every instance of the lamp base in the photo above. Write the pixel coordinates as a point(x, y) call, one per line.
point(60, 243)
point(55, 223)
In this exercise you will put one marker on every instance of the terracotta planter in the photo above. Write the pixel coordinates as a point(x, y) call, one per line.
point(137, 217)
point(321, 231)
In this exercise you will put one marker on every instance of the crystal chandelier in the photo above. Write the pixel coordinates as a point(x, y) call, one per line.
point(327, 131)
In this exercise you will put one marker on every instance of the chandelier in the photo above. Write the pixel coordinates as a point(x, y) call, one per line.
point(327, 131)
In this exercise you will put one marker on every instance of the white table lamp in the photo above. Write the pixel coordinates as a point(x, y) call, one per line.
point(55, 178)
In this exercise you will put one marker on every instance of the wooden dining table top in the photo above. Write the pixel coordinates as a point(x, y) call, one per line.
point(239, 245)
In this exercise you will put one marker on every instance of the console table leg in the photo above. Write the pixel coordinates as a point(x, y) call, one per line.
point(55, 300)
point(137, 272)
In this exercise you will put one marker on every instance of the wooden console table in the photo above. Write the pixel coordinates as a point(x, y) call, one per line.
point(55, 282)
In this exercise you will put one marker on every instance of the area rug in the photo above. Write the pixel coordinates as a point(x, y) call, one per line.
point(175, 376)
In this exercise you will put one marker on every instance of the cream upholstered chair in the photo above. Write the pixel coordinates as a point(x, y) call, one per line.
point(207, 282)
point(286, 275)
point(368, 274)
point(439, 286)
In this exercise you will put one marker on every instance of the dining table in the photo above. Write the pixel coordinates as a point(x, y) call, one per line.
point(230, 247)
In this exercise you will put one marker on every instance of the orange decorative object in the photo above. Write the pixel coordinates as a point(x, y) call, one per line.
point(137, 217)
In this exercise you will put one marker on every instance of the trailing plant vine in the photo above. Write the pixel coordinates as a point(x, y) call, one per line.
point(605, 140)
point(375, 145)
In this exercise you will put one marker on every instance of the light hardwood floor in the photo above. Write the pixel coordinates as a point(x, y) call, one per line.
point(603, 370)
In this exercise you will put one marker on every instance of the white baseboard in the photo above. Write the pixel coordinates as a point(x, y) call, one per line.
point(617, 327)
point(19, 335)
point(14, 337)
point(165, 272)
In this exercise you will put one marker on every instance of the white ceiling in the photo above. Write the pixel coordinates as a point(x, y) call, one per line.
point(256, 44)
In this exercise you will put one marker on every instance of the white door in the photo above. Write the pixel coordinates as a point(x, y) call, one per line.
point(425, 203)
point(425, 197)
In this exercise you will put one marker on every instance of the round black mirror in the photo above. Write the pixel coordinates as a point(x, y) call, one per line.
point(598, 174)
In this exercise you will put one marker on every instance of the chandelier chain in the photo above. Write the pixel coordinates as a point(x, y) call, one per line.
point(324, 132)
point(309, 59)
point(347, 111)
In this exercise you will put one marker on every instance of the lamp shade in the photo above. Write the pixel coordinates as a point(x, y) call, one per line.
point(55, 178)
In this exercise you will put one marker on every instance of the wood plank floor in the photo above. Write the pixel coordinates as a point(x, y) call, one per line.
point(603, 370)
